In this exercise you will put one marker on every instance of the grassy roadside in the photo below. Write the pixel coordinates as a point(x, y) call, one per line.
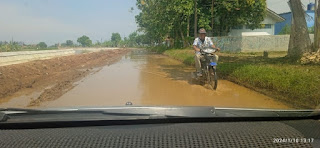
point(276, 76)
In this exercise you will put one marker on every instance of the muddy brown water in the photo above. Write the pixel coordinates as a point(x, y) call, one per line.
point(152, 79)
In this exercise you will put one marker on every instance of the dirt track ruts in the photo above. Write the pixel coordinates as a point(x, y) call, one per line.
point(53, 77)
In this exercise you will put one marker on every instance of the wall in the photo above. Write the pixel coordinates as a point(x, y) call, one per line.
point(238, 32)
point(253, 43)
point(228, 43)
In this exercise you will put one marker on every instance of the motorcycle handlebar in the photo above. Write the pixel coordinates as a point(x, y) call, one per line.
point(201, 49)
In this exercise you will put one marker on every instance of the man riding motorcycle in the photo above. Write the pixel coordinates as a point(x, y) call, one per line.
point(202, 41)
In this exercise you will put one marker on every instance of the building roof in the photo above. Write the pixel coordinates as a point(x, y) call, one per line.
point(274, 15)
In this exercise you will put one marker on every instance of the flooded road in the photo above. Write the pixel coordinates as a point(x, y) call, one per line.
point(151, 79)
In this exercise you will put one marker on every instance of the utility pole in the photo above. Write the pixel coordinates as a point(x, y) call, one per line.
point(195, 19)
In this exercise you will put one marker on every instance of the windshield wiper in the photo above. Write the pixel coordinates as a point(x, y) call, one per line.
point(140, 112)
point(108, 113)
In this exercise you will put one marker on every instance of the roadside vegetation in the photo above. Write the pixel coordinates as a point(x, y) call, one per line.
point(20, 46)
point(133, 40)
point(276, 76)
point(179, 21)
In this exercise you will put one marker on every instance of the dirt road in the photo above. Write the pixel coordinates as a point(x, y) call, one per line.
point(138, 77)
point(49, 79)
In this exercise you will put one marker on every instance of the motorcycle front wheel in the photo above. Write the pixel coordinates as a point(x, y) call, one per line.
point(213, 78)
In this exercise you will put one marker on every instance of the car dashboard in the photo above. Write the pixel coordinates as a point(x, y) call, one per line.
point(282, 133)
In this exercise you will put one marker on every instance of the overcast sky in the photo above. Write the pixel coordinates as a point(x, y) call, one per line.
point(54, 21)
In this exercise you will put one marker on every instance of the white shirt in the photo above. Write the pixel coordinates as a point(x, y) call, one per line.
point(207, 42)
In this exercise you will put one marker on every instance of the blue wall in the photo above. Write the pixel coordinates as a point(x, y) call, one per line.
point(287, 17)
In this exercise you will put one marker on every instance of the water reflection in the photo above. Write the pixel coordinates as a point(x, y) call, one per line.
point(151, 79)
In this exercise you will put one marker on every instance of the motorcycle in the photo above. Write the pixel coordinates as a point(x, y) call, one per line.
point(209, 67)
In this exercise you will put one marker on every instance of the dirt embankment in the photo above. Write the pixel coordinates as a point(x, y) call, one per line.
point(53, 77)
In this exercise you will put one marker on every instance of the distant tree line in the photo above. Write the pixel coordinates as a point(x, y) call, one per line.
point(20, 46)
point(133, 40)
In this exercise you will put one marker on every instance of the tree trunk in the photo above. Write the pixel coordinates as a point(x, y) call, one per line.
point(291, 34)
point(188, 26)
point(195, 19)
point(316, 42)
point(182, 37)
point(212, 17)
point(299, 37)
point(225, 31)
point(176, 39)
point(220, 26)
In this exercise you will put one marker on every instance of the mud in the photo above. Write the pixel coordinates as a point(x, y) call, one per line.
point(149, 79)
point(52, 77)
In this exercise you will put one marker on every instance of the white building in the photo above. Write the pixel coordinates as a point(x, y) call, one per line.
point(267, 26)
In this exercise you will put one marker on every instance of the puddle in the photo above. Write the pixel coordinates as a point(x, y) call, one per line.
point(21, 101)
point(150, 79)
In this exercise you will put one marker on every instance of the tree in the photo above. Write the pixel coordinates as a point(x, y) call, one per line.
point(107, 44)
point(143, 40)
point(317, 27)
point(42, 45)
point(132, 39)
point(133, 36)
point(69, 43)
point(299, 42)
point(229, 14)
point(84, 41)
point(165, 19)
point(116, 38)
point(98, 43)
point(168, 19)
point(195, 19)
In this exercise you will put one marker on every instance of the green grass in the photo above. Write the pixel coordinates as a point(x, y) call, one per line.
point(186, 56)
point(279, 77)
point(294, 83)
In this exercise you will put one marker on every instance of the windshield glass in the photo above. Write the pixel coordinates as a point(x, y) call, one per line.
point(257, 54)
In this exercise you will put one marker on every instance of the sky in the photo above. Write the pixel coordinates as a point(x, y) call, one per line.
point(55, 21)
point(281, 6)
